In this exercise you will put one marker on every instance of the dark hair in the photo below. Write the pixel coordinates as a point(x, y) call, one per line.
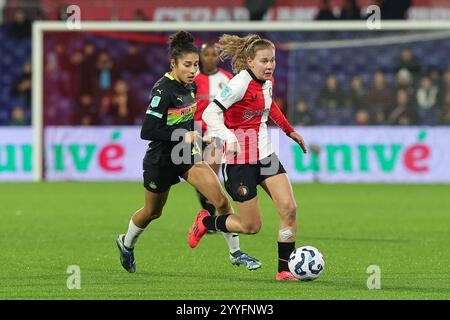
point(181, 43)
point(203, 47)
point(207, 45)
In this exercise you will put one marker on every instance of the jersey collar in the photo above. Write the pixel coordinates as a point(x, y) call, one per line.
point(187, 86)
point(254, 77)
point(168, 75)
point(211, 74)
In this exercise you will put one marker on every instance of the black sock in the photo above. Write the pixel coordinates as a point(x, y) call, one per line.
point(206, 204)
point(217, 223)
point(284, 251)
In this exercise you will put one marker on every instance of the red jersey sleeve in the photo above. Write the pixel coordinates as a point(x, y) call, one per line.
point(280, 120)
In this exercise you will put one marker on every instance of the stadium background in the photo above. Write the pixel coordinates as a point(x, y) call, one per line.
point(374, 106)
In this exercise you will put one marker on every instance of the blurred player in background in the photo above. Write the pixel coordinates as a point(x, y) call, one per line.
point(171, 110)
point(238, 115)
point(210, 81)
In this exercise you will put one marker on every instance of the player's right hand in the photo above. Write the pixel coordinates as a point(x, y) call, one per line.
point(191, 137)
point(299, 139)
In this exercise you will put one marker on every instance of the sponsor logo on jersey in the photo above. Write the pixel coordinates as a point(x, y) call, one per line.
point(181, 114)
point(248, 114)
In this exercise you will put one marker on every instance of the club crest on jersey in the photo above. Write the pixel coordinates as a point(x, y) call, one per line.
point(242, 190)
point(152, 185)
point(225, 92)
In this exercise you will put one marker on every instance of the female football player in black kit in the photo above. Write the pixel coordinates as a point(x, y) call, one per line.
point(210, 80)
point(169, 125)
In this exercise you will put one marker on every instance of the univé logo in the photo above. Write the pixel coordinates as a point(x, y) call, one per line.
point(109, 156)
point(362, 158)
point(416, 155)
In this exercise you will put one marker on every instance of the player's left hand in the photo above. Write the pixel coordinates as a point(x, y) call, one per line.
point(214, 141)
point(207, 139)
point(299, 139)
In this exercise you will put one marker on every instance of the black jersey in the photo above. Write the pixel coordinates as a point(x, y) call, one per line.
point(171, 106)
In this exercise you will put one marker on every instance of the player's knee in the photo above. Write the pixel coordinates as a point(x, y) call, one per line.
point(291, 208)
point(252, 228)
point(221, 203)
point(153, 215)
point(289, 212)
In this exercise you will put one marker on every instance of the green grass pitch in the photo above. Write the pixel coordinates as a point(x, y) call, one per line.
point(47, 227)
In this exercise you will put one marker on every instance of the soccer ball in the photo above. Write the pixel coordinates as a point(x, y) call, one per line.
point(306, 263)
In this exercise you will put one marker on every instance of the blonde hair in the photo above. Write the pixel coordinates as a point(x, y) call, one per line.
point(239, 49)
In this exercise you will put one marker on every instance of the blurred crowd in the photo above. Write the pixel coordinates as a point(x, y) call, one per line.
point(89, 77)
point(98, 94)
point(350, 10)
point(92, 80)
point(415, 97)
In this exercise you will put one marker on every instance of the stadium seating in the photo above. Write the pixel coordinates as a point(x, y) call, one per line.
point(303, 80)
point(14, 53)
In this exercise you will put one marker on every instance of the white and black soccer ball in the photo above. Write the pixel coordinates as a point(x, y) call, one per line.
point(306, 263)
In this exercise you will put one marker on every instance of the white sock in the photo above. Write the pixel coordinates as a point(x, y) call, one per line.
point(232, 240)
point(132, 235)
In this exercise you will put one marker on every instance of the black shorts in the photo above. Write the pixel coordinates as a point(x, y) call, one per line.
point(241, 180)
point(158, 179)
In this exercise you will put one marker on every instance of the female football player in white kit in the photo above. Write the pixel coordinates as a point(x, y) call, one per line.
point(210, 80)
point(238, 115)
